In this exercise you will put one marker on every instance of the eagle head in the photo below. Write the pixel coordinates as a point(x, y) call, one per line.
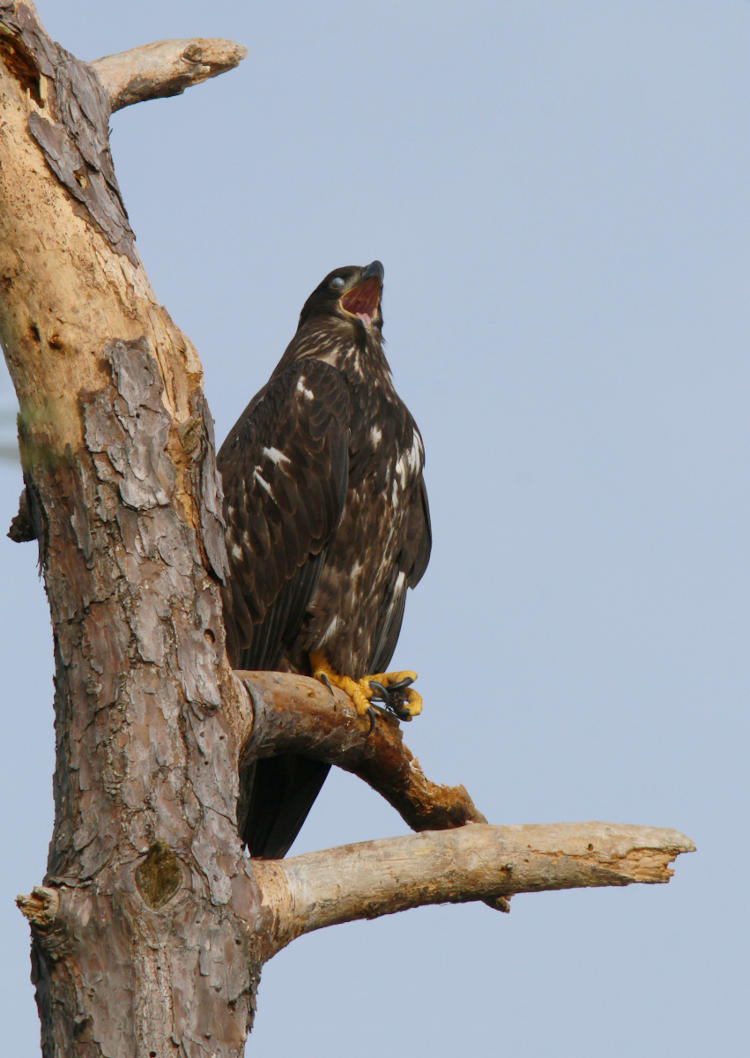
point(351, 294)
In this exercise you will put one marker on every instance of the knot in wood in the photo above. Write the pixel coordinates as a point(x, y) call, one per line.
point(159, 876)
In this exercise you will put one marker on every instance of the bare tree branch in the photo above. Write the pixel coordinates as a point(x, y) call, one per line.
point(164, 68)
point(478, 862)
point(295, 714)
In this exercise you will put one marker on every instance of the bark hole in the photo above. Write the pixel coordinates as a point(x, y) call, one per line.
point(22, 65)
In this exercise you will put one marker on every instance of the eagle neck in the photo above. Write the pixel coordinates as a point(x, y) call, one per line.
point(357, 354)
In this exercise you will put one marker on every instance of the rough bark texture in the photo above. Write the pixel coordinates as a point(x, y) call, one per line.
point(67, 115)
point(119, 467)
point(151, 928)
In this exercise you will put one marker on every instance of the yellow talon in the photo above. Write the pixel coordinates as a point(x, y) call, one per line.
point(404, 701)
point(361, 692)
point(387, 678)
point(358, 691)
point(413, 701)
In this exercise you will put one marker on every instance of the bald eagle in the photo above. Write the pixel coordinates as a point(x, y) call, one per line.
point(327, 527)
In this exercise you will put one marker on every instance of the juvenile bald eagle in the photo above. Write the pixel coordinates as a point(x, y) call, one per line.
point(327, 527)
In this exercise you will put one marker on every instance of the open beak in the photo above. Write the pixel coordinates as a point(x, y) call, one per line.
point(363, 300)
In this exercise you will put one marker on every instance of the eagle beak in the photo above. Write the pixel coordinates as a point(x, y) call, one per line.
point(363, 299)
point(375, 269)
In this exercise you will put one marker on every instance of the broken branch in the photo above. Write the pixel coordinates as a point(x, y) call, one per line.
point(481, 862)
point(40, 907)
point(164, 68)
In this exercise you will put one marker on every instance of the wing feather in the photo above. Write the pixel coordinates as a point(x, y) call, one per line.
point(284, 469)
point(411, 564)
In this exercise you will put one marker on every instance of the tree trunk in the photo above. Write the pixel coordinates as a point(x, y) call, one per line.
point(152, 925)
point(118, 461)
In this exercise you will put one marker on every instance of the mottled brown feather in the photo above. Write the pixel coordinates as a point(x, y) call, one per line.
point(277, 532)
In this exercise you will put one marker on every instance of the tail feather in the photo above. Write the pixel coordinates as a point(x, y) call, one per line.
point(278, 795)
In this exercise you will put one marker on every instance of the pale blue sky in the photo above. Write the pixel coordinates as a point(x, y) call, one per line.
point(559, 193)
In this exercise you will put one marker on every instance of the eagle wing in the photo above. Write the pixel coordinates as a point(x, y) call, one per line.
point(284, 470)
point(410, 565)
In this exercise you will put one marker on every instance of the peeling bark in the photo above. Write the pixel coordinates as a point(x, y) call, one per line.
point(67, 114)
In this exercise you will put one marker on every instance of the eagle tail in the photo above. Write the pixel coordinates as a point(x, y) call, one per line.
point(282, 791)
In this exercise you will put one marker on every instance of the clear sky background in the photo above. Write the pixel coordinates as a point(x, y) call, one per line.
point(559, 193)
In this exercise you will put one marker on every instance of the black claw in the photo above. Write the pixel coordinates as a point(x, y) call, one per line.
point(406, 682)
point(391, 697)
point(380, 691)
point(371, 718)
point(326, 681)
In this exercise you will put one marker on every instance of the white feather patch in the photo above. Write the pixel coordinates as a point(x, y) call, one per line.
point(330, 630)
point(263, 483)
point(409, 463)
point(274, 455)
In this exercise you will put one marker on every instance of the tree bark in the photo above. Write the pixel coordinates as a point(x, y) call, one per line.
point(151, 928)
point(118, 460)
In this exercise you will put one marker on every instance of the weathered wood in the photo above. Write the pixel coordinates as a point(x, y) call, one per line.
point(164, 68)
point(476, 862)
point(65, 112)
point(295, 714)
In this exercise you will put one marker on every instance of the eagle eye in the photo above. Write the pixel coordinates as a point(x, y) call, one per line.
point(338, 283)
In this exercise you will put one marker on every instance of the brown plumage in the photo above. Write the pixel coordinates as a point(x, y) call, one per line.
point(327, 522)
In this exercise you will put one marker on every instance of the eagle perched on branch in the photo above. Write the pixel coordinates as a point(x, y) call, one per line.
point(327, 527)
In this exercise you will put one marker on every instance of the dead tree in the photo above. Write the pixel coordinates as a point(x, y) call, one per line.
point(152, 925)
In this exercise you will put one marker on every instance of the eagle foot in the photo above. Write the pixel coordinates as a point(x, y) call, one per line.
point(397, 696)
point(393, 689)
